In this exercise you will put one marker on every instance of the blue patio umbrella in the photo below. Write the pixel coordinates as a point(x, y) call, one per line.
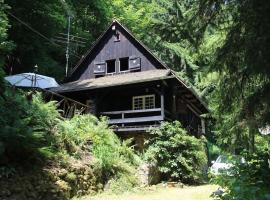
point(31, 80)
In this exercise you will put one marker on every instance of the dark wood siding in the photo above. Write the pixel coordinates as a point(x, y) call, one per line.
point(108, 49)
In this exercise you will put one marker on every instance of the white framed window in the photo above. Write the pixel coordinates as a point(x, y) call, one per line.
point(143, 102)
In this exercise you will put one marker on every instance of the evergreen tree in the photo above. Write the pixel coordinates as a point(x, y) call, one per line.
point(243, 65)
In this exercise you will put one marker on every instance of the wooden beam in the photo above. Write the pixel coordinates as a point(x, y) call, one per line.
point(131, 111)
point(137, 119)
point(136, 128)
point(203, 125)
point(174, 106)
point(64, 97)
point(193, 110)
point(193, 100)
point(162, 103)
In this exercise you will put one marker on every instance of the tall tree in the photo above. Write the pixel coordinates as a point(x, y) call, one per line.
point(243, 63)
point(26, 19)
point(5, 45)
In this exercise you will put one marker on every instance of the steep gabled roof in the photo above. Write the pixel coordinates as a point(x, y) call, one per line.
point(128, 32)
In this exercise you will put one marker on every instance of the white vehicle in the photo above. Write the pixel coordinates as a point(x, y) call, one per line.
point(223, 164)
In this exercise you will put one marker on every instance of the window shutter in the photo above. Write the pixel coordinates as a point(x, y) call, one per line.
point(134, 63)
point(100, 68)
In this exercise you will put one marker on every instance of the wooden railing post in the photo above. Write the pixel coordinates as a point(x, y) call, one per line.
point(162, 103)
point(173, 110)
point(123, 117)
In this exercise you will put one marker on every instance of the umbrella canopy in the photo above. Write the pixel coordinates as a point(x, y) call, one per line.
point(32, 80)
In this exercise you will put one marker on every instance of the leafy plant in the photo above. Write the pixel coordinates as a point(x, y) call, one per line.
point(113, 156)
point(179, 156)
point(247, 181)
point(25, 126)
point(7, 171)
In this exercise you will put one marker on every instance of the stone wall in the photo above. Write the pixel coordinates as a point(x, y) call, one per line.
point(51, 181)
point(138, 139)
point(148, 174)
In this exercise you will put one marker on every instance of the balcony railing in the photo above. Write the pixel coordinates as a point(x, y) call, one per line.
point(134, 116)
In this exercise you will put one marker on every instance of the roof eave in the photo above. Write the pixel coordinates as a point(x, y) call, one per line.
point(192, 91)
point(114, 85)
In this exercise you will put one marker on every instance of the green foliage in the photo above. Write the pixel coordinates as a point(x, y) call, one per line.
point(5, 45)
point(123, 183)
point(214, 151)
point(114, 158)
point(249, 180)
point(25, 127)
point(7, 171)
point(240, 100)
point(48, 18)
point(178, 155)
point(37, 132)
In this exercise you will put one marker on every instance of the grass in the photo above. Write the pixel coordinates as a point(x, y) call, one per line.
point(187, 193)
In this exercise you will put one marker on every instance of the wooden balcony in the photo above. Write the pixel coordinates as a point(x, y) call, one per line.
point(134, 116)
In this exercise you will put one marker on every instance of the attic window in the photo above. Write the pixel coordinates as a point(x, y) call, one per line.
point(124, 64)
point(110, 66)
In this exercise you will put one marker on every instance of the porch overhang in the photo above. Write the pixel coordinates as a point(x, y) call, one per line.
point(114, 80)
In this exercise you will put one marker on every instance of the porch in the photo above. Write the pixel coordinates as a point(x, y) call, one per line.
point(140, 108)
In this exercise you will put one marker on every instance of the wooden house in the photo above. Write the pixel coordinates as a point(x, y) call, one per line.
point(120, 78)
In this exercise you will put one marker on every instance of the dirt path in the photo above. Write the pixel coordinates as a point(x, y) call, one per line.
point(186, 193)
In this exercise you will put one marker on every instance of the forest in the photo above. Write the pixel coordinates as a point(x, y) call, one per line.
point(219, 47)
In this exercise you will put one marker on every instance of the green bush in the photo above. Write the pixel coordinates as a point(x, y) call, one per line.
point(214, 151)
point(179, 156)
point(247, 181)
point(123, 183)
point(26, 126)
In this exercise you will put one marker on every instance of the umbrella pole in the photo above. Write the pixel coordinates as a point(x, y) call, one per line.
point(35, 78)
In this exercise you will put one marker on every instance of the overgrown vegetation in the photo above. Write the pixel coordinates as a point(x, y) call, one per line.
point(26, 127)
point(178, 155)
point(116, 159)
point(81, 154)
point(249, 180)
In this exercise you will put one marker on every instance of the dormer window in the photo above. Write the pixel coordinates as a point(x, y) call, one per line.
point(110, 65)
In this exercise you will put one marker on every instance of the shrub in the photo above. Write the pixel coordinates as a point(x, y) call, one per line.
point(25, 126)
point(123, 183)
point(247, 181)
point(179, 156)
point(213, 150)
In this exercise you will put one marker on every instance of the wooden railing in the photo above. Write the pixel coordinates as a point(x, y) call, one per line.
point(68, 107)
point(134, 116)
